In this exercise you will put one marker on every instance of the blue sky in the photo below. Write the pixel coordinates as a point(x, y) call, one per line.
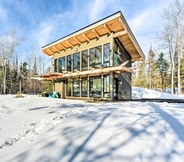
point(44, 21)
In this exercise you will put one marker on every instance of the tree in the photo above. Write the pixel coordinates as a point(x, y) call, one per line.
point(172, 36)
point(151, 69)
point(163, 68)
point(8, 44)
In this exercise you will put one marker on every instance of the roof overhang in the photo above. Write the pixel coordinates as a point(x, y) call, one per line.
point(114, 24)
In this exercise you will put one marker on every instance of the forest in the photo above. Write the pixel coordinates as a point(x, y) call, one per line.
point(164, 67)
point(16, 75)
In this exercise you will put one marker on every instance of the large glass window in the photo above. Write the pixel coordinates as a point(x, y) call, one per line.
point(76, 62)
point(106, 86)
point(96, 57)
point(85, 60)
point(106, 55)
point(68, 87)
point(116, 59)
point(76, 87)
point(115, 56)
point(84, 87)
point(62, 67)
point(95, 87)
point(69, 63)
point(56, 65)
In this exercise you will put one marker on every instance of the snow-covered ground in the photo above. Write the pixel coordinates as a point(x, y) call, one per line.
point(37, 129)
point(139, 93)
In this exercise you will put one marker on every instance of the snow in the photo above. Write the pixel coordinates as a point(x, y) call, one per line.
point(142, 93)
point(44, 129)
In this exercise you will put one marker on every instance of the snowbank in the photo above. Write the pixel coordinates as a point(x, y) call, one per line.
point(141, 93)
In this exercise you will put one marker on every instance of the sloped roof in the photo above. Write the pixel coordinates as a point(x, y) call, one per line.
point(115, 24)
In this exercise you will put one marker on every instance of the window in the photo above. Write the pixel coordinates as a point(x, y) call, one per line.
point(84, 87)
point(96, 57)
point(106, 86)
point(115, 59)
point(69, 62)
point(95, 87)
point(76, 61)
point(106, 55)
point(76, 87)
point(69, 87)
point(85, 60)
point(56, 65)
point(62, 67)
point(115, 56)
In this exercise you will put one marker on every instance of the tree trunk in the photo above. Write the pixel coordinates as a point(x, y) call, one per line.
point(4, 80)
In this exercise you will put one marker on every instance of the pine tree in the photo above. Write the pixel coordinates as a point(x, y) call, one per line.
point(152, 68)
point(163, 67)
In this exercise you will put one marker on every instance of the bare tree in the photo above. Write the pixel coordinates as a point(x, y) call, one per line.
point(172, 35)
point(8, 44)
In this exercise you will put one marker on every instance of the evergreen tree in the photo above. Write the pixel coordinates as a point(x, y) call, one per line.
point(152, 68)
point(163, 68)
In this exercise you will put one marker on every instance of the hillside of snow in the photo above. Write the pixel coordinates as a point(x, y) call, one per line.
point(42, 129)
point(144, 93)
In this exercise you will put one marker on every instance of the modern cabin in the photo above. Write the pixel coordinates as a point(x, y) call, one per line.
point(95, 62)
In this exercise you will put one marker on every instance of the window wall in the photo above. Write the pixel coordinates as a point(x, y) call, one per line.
point(79, 87)
point(106, 86)
point(84, 87)
point(106, 55)
point(68, 87)
point(96, 57)
point(76, 61)
point(85, 60)
point(62, 66)
point(56, 65)
point(95, 87)
point(115, 56)
point(69, 63)
point(76, 87)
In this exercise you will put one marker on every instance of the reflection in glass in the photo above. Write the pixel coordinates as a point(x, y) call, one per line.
point(62, 67)
point(69, 63)
point(115, 55)
point(76, 62)
point(106, 55)
point(76, 88)
point(95, 87)
point(106, 86)
point(85, 60)
point(55, 65)
point(96, 57)
point(115, 59)
point(68, 87)
point(84, 87)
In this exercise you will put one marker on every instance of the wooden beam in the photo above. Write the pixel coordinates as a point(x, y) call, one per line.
point(86, 37)
point(119, 33)
point(105, 26)
point(50, 50)
point(122, 22)
point(69, 43)
point(96, 33)
point(55, 48)
point(45, 52)
point(77, 40)
point(62, 46)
